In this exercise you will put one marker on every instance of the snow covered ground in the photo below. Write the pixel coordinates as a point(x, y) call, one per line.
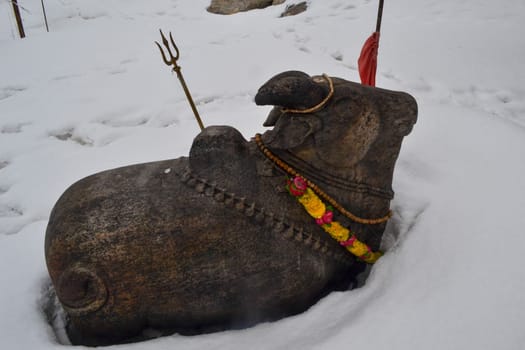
point(93, 94)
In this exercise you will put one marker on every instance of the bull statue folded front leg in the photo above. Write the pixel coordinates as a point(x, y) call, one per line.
point(214, 240)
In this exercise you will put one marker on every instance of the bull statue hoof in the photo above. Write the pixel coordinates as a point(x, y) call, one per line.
point(215, 240)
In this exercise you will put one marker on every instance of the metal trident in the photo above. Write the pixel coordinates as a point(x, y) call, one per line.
point(177, 69)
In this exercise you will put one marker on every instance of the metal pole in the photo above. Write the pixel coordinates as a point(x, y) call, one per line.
point(379, 16)
point(18, 19)
point(188, 96)
point(45, 17)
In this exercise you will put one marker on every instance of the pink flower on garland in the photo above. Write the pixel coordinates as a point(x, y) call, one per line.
point(297, 186)
point(349, 242)
point(327, 218)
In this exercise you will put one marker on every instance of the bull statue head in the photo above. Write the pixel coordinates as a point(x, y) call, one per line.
point(357, 132)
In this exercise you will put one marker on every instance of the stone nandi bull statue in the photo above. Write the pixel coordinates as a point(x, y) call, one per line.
point(215, 240)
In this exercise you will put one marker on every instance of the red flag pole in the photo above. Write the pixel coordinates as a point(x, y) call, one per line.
point(379, 16)
point(367, 61)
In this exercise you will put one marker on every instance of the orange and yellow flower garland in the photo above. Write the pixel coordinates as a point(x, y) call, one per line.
point(323, 216)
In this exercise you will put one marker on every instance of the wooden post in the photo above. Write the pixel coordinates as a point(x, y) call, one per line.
point(18, 18)
point(45, 16)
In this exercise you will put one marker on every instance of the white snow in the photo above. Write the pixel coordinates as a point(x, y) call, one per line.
point(94, 94)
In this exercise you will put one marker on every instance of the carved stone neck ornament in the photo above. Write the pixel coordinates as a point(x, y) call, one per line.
point(317, 175)
point(291, 171)
point(279, 224)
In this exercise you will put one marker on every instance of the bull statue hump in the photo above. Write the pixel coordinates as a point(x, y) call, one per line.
point(214, 240)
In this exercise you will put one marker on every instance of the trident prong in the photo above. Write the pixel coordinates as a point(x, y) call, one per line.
point(176, 68)
point(173, 59)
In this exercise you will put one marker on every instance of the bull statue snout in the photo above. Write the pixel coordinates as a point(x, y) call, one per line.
point(214, 240)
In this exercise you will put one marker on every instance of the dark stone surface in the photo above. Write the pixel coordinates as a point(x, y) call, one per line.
point(213, 241)
point(228, 7)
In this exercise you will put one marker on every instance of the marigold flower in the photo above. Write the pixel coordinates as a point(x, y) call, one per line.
point(358, 248)
point(337, 231)
point(313, 205)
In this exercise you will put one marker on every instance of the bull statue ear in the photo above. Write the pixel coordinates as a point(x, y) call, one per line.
point(292, 131)
point(273, 116)
point(406, 116)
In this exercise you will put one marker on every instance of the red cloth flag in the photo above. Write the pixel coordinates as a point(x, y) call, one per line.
point(367, 62)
